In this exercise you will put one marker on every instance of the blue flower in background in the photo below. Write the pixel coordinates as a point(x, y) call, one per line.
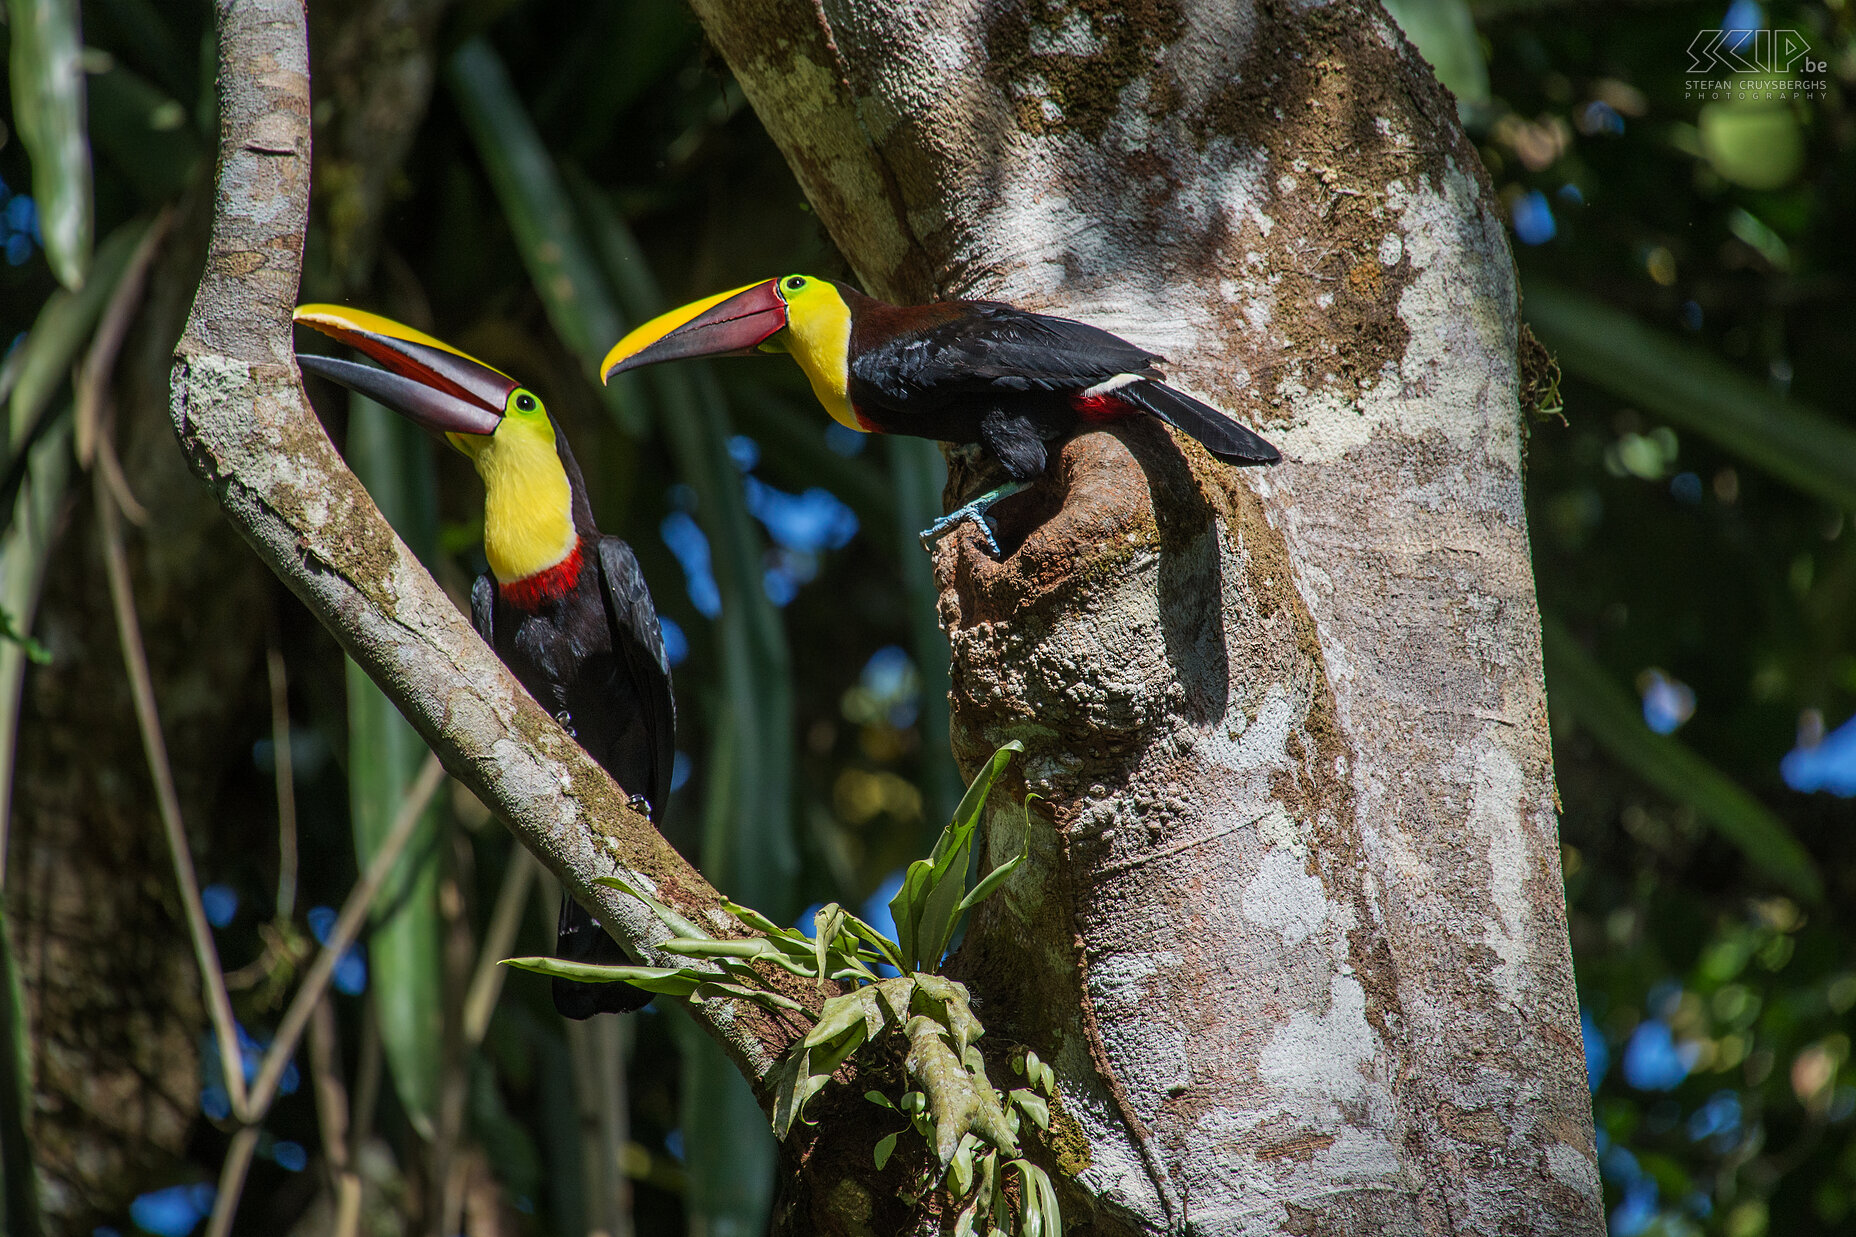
point(1743, 20)
point(1667, 702)
point(691, 547)
point(1638, 1210)
point(173, 1212)
point(673, 1144)
point(844, 440)
point(1597, 1051)
point(1600, 117)
point(744, 451)
point(1533, 218)
point(1829, 765)
point(289, 1156)
point(676, 644)
point(1653, 1060)
point(679, 771)
point(1621, 1169)
point(220, 903)
point(19, 225)
point(1685, 487)
point(1717, 1120)
point(807, 523)
point(1691, 315)
point(350, 976)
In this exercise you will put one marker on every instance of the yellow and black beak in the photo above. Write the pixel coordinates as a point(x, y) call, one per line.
point(425, 380)
point(732, 323)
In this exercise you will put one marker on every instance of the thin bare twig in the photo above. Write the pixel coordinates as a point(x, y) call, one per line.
point(91, 388)
point(347, 928)
point(154, 747)
point(486, 984)
point(325, 1071)
point(232, 1181)
point(315, 986)
point(283, 764)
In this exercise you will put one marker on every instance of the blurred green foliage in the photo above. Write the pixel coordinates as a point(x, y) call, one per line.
point(1688, 253)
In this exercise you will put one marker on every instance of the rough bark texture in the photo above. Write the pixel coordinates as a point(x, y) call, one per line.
point(1294, 932)
point(238, 408)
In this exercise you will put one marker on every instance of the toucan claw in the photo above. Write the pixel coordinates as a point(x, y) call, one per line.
point(975, 511)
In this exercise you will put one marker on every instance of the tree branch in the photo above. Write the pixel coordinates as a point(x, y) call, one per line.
point(242, 419)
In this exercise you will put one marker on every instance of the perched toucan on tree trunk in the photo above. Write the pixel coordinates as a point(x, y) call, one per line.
point(564, 606)
point(957, 371)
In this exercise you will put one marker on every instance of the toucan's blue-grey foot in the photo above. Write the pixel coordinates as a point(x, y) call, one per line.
point(975, 511)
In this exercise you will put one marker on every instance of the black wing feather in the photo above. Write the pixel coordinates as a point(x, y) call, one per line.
point(483, 608)
point(638, 640)
point(997, 348)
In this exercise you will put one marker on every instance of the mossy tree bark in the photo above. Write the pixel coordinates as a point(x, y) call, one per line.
point(1294, 932)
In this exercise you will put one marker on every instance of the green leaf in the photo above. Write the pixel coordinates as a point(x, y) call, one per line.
point(927, 906)
point(960, 1168)
point(1030, 1203)
point(1578, 686)
point(48, 108)
point(1690, 388)
point(885, 1147)
point(1032, 1105)
point(754, 919)
point(393, 459)
point(10, 633)
point(670, 980)
point(713, 988)
point(879, 1099)
point(825, 924)
point(43, 361)
point(680, 928)
point(751, 947)
point(886, 948)
point(1444, 32)
point(528, 185)
point(997, 877)
point(973, 803)
point(958, 1103)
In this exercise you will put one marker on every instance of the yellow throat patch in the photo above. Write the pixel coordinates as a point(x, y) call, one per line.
point(818, 335)
point(528, 522)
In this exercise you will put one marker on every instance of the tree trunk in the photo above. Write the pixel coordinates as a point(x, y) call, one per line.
point(1293, 932)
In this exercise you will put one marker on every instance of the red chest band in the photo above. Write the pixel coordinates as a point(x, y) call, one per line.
point(551, 584)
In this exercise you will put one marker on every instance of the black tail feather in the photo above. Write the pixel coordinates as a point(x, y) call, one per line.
point(1214, 430)
point(579, 938)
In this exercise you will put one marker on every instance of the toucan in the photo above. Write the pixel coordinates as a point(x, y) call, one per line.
point(958, 371)
point(564, 606)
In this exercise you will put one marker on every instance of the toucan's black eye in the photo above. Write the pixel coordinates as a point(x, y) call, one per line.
point(795, 283)
point(525, 402)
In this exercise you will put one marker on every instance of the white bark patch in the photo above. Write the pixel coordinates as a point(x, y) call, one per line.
point(1077, 37)
point(1574, 1167)
point(1261, 743)
point(1456, 248)
point(1283, 896)
point(1323, 1056)
point(1496, 814)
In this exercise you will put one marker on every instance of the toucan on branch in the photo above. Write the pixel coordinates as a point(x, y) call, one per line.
point(239, 411)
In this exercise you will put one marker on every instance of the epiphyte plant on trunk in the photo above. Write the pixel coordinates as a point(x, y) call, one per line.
point(564, 605)
point(958, 371)
point(971, 1127)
